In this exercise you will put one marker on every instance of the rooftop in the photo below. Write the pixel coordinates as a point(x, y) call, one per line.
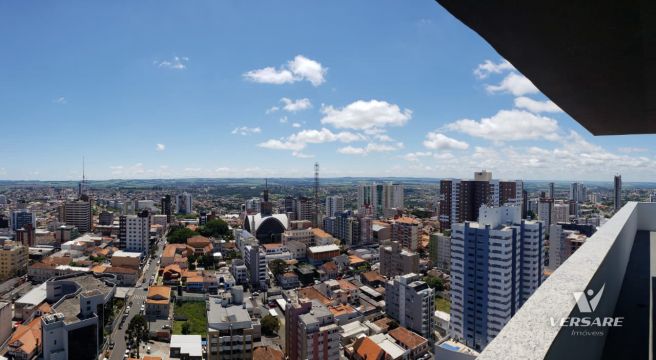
point(188, 344)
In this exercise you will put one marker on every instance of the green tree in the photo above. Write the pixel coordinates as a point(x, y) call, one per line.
point(186, 328)
point(215, 228)
point(180, 235)
point(277, 267)
point(434, 282)
point(137, 331)
point(270, 325)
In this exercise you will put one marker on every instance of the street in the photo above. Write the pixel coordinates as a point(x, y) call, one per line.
point(137, 298)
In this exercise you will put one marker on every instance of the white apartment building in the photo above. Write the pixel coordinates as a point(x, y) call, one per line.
point(491, 277)
point(334, 204)
point(135, 232)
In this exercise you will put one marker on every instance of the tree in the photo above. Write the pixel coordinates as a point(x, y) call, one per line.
point(215, 228)
point(270, 325)
point(277, 267)
point(434, 282)
point(137, 331)
point(180, 235)
point(186, 328)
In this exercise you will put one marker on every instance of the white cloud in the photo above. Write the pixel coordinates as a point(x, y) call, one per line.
point(488, 67)
point(509, 125)
point(245, 130)
point(350, 150)
point(415, 156)
point(301, 155)
point(631, 149)
point(370, 148)
point(296, 105)
point(307, 69)
point(60, 100)
point(296, 125)
point(324, 135)
point(271, 110)
point(275, 144)
point(366, 115)
point(383, 137)
point(536, 106)
point(160, 147)
point(298, 69)
point(435, 140)
point(177, 63)
point(283, 120)
point(515, 84)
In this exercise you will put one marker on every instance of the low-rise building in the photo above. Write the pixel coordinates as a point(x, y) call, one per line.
point(158, 301)
point(187, 347)
point(231, 331)
point(322, 253)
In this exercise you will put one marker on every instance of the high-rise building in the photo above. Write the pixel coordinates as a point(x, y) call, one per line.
point(334, 204)
point(380, 197)
point(3, 199)
point(106, 218)
point(253, 205)
point(560, 212)
point(20, 218)
point(394, 260)
point(546, 211)
point(552, 193)
point(496, 264)
point(13, 259)
point(562, 244)
point(617, 198)
point(311, 331)
point(578, 192)
point(167, 207)
point(304, 208)
point(460, 200)
point(255, 261)
point(410, 302)
point(406, 232)
point(231, 330)
point(78, 214)
point(134, 232)
point(183, 203)
point(439, 246)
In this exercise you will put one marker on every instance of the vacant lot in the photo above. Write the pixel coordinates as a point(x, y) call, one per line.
point(196, 316)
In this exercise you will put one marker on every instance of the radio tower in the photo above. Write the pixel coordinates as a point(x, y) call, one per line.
point(315, 212)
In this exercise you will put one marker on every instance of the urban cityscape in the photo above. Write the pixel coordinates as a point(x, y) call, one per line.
point(214, 180)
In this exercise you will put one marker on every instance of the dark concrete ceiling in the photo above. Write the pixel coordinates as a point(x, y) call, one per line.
point(595, 59)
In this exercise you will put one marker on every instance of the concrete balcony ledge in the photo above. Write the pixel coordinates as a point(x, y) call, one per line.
point(601, 261)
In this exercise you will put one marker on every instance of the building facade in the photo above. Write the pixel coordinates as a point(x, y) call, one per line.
point(411, 302)
point(496, 264)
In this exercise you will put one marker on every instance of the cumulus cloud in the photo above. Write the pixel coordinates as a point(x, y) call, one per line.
point(283, 120)
point(515, 84)
point(509, 125)
point(271, 110)
point(177, 63)
point(299, 140)
point(366, 115)
point(245, 130)
point(160, 147)
point(370, 148)
point(536, 106)
point(488, 67)
point(296, 125)
point(276, 144)
point(298, 69)
point(296, 105)
point(631, 149)
point(435, 140)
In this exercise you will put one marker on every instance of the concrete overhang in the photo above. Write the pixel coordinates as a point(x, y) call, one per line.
point(595, 59)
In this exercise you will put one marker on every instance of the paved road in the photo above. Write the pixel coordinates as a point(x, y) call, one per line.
point(137, 298)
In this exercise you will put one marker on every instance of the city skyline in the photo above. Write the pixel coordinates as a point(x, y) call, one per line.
point(195, 92)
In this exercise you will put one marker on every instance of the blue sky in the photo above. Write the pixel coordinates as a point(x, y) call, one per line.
point(164, 89)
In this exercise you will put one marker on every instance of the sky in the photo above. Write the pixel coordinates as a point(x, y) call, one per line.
point(179, 89)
